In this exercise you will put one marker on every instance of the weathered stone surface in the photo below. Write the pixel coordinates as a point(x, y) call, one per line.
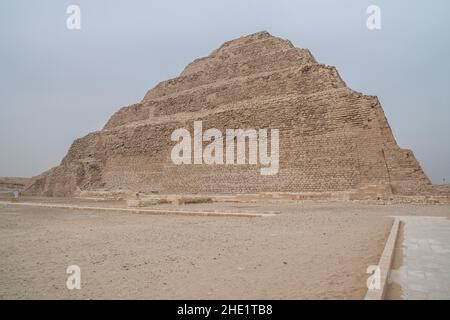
point(332, 138)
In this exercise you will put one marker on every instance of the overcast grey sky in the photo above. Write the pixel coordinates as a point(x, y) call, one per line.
point(57, 85)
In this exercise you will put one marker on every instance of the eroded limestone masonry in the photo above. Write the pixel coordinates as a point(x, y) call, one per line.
point(331, 137)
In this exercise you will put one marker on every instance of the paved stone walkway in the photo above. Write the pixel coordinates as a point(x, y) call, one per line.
point(425, 268)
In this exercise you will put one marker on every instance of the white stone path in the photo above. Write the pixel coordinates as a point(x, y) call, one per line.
point(425, 269)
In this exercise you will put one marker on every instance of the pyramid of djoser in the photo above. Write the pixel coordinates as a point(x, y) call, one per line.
point(332, 139)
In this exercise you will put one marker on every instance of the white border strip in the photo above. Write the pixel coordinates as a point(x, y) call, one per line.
point(141, 211)
point(385, 264)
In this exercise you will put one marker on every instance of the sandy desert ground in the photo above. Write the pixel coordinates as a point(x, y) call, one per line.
point(307, 251)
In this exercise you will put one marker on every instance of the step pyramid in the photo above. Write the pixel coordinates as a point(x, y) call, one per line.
point(331, 137)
